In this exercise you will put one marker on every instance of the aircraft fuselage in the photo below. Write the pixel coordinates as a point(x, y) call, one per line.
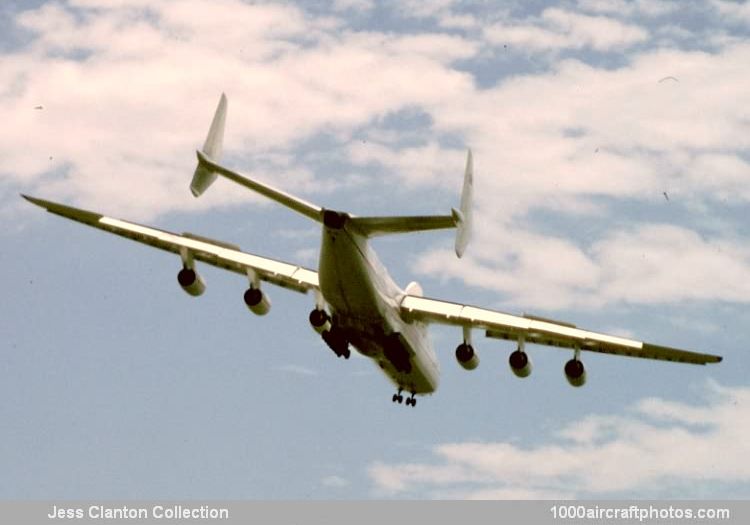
point(364, 303)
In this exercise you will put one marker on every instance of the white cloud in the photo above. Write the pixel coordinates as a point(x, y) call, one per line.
point(733, 12)
point(648, 264)
point(560, 141)
point(425, 8)
point(128, 93)
point(661, 263)
point(354, 5)
point(459, 21)
point(659, 446)
point(558, 29)
point(630, 7)
point(296, 370)
point(335, 482)
point(415, 166)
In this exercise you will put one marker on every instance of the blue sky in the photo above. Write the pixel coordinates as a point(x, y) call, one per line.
point(608, 195)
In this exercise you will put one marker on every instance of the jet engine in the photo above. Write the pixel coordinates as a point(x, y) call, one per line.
point(320, 321)
point(257, 301)
point(520, 363)
point(575, 372)
point(466, 356)
point(191, 282)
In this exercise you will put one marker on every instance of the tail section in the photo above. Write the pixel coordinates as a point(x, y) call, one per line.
point(464, 222)
point(209, 168)
point(459, 218)
point(204, 176)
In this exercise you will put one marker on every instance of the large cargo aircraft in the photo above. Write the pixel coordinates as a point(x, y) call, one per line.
point(357, 303)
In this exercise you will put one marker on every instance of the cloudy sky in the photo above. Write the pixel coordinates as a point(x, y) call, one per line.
point(611, 143)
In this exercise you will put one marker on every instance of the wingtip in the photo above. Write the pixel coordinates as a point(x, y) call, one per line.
point(33, 200)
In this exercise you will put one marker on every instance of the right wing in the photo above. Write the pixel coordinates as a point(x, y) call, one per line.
point(537, 330)
point(215, 253)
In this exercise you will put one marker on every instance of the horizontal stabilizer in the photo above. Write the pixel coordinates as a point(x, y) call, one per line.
point(374, 226)
point(290, 201)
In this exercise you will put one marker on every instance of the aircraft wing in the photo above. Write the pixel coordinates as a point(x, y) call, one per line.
point(541, 331)
point(209, 251)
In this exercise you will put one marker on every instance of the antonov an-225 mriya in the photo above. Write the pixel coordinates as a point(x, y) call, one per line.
point(357, 304)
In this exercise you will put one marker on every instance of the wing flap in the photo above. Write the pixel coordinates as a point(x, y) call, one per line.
point(536, 330)
point(216, 253)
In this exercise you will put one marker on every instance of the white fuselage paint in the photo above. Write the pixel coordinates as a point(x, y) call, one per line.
point(364, 302)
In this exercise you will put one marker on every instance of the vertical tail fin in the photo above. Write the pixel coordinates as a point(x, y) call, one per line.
point(204, 177)
point(464, 222)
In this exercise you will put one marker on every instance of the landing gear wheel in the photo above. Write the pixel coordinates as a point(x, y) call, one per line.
point(347, 353)
point(397, 397)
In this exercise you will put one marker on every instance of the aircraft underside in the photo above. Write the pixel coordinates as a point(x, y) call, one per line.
point(362, 298)
point(391, 353)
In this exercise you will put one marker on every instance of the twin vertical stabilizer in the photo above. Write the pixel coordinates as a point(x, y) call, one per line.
point(204, 176)
point(209, 168)
point(463, 224)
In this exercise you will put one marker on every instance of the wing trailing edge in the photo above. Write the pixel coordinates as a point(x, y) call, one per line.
point(210, 251)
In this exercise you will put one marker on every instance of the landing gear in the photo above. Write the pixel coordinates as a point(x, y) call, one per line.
point(399, 398)
point(337, 342)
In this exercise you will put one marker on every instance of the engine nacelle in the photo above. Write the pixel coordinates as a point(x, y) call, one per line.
point(466, 356)
point(257, 301)
point(191, 282)
point(575, 372)
point(520, 364)
point(320, 321)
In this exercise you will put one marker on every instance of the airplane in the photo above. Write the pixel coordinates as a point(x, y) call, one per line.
point(357, 303)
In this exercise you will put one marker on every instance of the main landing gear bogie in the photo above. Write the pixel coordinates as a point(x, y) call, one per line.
point(337, 342)
point(334, 337)
point(399, 398)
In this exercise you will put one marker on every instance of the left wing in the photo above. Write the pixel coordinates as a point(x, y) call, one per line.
point(215, 253)
point(541, 331)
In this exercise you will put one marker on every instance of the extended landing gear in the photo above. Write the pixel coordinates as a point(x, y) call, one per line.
point(334, 338)
point(398, 398)
point(337, 342)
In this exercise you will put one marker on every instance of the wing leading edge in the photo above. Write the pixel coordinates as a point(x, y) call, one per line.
point(540, 331)
point(209, 251)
